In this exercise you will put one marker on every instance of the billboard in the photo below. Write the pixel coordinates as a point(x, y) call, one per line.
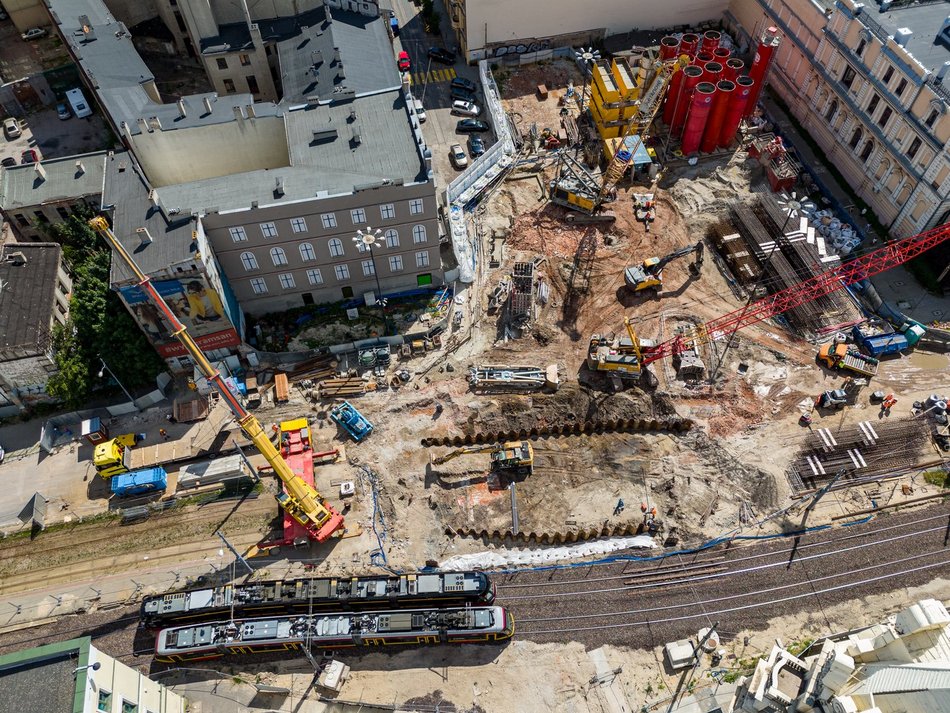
point(195, 303)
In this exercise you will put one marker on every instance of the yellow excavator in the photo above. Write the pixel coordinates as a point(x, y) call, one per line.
point(517, 456)
point(299, 499)
point(648, 275)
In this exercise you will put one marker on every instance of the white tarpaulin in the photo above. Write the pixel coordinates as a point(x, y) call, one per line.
point(548, 555)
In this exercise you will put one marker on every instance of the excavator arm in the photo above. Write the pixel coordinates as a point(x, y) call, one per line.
point(698, 248)
point(463, 451)
point(300, 500)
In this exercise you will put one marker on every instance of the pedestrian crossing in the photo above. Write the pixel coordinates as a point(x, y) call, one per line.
point(434, 75)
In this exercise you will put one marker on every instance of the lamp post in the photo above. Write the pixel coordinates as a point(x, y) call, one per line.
point(369, 238)
point(94, 666)
point(104, 369)
point(586, 58)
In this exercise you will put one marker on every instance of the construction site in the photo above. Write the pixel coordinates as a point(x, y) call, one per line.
point(670, 338)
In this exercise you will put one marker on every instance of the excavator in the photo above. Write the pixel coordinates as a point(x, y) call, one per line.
point(299, 499)
point(618, 356)
point(517, 456)
point(648, 275)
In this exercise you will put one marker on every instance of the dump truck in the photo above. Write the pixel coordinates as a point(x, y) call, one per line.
point(840, 355)
point(351, 421)
point(139, 482)
point(879, 340)
point(517, 456)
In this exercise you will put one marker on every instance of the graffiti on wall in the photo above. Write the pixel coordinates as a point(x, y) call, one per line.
point(521, 48)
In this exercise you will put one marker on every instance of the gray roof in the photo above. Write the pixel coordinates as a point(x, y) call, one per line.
point(39, 684)
point(27, 294)
point(331, 165)
point(22, 186)
point(925, 20)
point(126, 193)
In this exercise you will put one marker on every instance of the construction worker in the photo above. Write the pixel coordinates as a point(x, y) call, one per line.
point(163, 433)
point(886, 404)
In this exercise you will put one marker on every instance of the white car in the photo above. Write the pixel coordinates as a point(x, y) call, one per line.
point(464, 108)
point(34, 33)
point(420, 111)
point(459, 159)
point(11, 127)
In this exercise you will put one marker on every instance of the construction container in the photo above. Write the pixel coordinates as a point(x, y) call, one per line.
point(760, 66)
point(692, 76)
point(878, 341)
point(716, 116)
point(94, 430)
point(698, 115)
point(209, 472)
point(735, 110)
point(689, 44)
point(139, 482)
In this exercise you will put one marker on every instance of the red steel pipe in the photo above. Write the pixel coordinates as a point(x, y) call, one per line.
point(712, 72)
point(722, 54)
point(672, 94)
point(689, 44)
point(710, 41)
point(692, 76)
point(669, 47)
point(735, 110)
point(717, 113)
point(702, 58)
point(732, 69)
point(760, 66)
point(698, 115)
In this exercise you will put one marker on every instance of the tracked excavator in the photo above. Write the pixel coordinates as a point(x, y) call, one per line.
point(516, 456)
point(648, 275)
point(299, 499)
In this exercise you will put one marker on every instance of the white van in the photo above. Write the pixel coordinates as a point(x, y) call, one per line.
point(78, 103)
point(420, 110)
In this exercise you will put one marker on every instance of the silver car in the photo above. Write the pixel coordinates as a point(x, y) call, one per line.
point(465, 108)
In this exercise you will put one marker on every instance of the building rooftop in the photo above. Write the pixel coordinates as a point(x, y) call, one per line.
point(126, 194)
point(929, 43)
point(41, 679)
point(23, 186)
point(27, 292)
point(326, 157)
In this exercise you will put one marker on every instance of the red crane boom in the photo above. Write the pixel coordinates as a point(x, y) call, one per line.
point(891, 255)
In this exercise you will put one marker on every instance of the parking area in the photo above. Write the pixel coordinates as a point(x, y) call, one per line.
point(52, 137)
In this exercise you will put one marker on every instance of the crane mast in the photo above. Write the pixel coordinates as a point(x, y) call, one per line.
point(299, 499)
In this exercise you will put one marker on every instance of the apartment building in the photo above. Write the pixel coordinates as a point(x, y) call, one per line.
point(867, 82)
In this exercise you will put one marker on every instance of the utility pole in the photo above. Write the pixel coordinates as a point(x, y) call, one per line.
point(697, 653)
point(234, 552)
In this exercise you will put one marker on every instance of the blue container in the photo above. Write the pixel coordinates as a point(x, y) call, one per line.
point(139, 481)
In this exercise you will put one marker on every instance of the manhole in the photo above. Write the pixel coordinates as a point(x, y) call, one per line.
point(743, 368)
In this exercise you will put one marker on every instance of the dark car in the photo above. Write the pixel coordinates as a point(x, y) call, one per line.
point(471, 126)
point(8, 161)
point(476, 145)
point(462, 94)
point(466, 85)
point(440, 54)
point(29, 156)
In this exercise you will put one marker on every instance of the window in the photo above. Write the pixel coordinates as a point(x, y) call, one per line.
point(229, 86)
point(368, 269)
point(315, 277)
point(856, 138)
point(245, 60)
point(286, 280)
point(418, 233)
point(329, 220)
point(40, 216)
point(888, 73)
point(342, 272)
point(268, 230)
point(885, 116)
point(252, 86)
point(307, 252)
point(901, 86)
point(422, 258)
point(914, 147)
point(347, 292)
point(249, 261)
point(336, 247)
point(387, 211)
point(932, 118)
point(358, 215)
point(832, 110)
point(222, 63)
point(129, 707)
point(415, 206)
point(278, 256)
point(238, 234)
point(392, 238)
point(395, 263)
point(866, 152)
point(872, 105)
point(361, 247)
point(862, 44)
point(259, 286)
point(847, 79)
point(21, 220)
point(299, 225)
point(63, 213)
point(105, 701)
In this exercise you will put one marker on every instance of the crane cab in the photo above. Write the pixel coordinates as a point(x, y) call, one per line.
point(646, 276)
point(514, 455)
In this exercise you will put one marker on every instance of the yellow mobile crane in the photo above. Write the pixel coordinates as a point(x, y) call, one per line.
point(301, 501)
point(513, 455)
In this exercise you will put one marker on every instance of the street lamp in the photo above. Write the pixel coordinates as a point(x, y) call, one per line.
point(104, 369)
point(586, 58)
point(368, 239)
point(94, 666)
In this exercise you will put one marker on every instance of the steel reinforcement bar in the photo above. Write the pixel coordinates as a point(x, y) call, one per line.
point(581, 534)
point(578, 428)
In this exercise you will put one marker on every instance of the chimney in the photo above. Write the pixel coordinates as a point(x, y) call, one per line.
point(250, 111)
point(207, 103)
point(143, 125)
point(352, 115)
point(80, 169)
point(153, 197)
point(182, 112)
point(943, 71)
point(316, 58)
point(238, 112)
point(144, 237)
point(336, 56)
point(279, 187)
point(903, 35)
point(17, 258)
point(154, 122)
point(40, 171)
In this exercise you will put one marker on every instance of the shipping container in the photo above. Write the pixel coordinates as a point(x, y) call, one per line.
point(139, 481)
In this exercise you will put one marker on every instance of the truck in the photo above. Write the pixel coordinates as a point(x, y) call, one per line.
point(122, 454)
point(879, 341)
point(351, 421)
point(838, 354)
point(139, 482)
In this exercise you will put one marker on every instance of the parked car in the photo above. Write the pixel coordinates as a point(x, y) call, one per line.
point(476, 145)
point(459, 159)
point(29, 156)
point(466, 85)
point(11, 128)
point(440, 54)
point(62, 111)
point(471, 126)
point(420, 110)
point(8, 161)
point(461, 94)
point(403, 62)
point(463, 108)
point(34, 33)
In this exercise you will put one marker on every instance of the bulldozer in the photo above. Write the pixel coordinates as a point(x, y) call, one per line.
point(648, 275)
point(512, 456)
